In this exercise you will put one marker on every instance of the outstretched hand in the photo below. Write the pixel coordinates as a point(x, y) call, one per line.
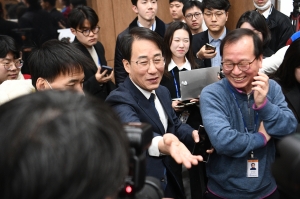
point(172, 146)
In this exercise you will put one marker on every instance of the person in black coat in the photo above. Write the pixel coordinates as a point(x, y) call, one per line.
point(83, 21)
point(142, 20)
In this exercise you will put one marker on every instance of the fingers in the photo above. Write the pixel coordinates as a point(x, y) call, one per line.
point(195, 135)
point(210, 150)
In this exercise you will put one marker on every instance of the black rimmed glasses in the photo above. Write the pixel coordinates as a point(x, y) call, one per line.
point(9, 64)
point(87, 32)
point(243, 65)
point(196, 15)
point(144, 63)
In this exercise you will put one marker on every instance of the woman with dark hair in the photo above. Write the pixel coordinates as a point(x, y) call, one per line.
point(288, 76)
point(254, 21)
point(179, 57)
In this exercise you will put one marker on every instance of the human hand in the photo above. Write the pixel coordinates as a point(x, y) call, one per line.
point(196, 100)
point(262, 130)
point(175, 105)
point(211, 150)
point(196, 136)
point(260, 88)
point(102, 77)
point(206, 54)
point(178, 151)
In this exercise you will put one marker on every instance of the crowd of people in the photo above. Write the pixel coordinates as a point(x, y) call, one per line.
point(73, 137)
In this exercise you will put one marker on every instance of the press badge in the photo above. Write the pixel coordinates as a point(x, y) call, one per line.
point(184, 116)
point(252, 167)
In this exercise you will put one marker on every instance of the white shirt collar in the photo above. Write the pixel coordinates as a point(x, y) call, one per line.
point(186, 65)
point(266, 13)
point(147, 94)
point(153, 27)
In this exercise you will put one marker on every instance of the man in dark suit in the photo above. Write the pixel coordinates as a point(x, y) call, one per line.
point(146, 17)
point(215, 15)
point(83, 21)
point(141, 99)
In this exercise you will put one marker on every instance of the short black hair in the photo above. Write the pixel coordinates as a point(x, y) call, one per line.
point(139, 33)
point(9, 45)
point(54, 58)
point(76, 3)
point(216, 4)
point(68, 146)
point(134, 2)
point(191, 4)
point(286, 71)
point(258, 22)
point(237, 34)
point(77, 16)
point(51, 2)
point(181, 1)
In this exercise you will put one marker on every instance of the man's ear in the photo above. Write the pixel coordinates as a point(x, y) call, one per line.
point(227, 13)
point(259, 60)
point(40, 84)
point(73, 31)
point(135, 10)
point(126, 65)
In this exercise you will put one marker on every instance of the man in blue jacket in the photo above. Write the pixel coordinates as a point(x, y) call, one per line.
point(243, 114)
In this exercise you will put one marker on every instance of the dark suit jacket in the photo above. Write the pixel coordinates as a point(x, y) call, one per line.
point(132, 106)
point(120, 73)
point(198, 41)
point(91, 85)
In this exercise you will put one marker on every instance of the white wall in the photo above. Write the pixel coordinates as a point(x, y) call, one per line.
point(286, 6)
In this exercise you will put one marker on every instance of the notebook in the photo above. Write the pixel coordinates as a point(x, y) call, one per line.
point(193, 81)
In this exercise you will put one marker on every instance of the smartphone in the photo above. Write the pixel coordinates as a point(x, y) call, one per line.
point(203, 145)
point(210, 47)
point(108, 68)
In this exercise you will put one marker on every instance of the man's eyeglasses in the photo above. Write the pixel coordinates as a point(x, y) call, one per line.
point(10, 64)
point(144, 63)
point(190, 16)
point(217, 14)
point(87, 32)
point(243, 65)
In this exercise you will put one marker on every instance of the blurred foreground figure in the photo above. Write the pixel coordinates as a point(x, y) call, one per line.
point(69, 146)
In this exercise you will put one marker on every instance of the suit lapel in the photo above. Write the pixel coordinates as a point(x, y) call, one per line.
point(145, 106)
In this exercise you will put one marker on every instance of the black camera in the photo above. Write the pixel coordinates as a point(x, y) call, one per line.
point(137, 185)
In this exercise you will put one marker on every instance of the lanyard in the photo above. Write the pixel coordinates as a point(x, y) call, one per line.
point(175, 83)
point(255, 117)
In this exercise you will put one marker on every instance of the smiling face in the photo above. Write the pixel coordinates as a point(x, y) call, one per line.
point(8, 74)
point(88, 41)
point(241, 50)
point(146, 10)
point(180, 43)
point(148, 78)
point(176, 10)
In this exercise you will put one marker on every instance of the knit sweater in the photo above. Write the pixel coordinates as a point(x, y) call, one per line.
point(224, 123)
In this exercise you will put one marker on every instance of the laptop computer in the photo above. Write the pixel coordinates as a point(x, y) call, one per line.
point(193, 81)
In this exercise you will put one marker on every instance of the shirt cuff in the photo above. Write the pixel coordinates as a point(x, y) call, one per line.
point(153, 149)
point(258, 108)
point(265, 139)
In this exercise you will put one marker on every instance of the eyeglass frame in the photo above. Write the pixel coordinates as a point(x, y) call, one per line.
point(14, 63)
point(237, 64)
point(89, 31)
point(190, 16)
point(216, 14)
point(148, 60)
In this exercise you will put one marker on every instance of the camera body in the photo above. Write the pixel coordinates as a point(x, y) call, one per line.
point(137, 185)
